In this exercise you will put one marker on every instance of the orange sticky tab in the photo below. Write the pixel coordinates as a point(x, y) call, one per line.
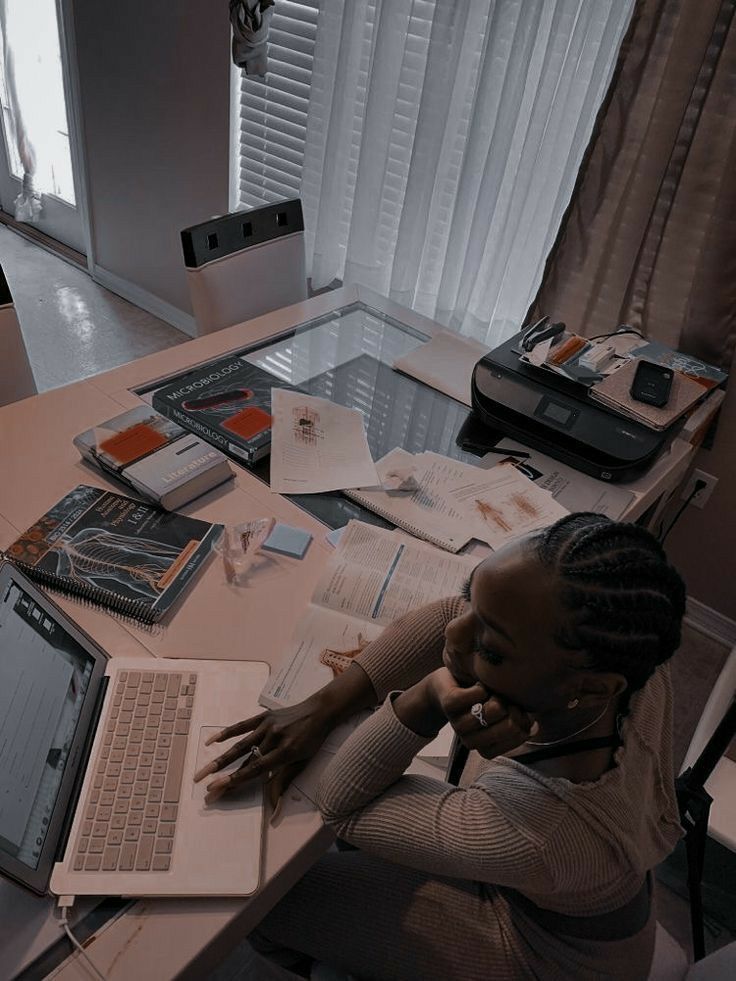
point(132, 443)
point(249, 422)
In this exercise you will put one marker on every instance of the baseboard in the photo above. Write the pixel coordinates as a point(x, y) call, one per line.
point(710, 622)
point(44, 241)
point(146, 301)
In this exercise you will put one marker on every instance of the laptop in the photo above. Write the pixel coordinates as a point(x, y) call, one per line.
point(97, 757)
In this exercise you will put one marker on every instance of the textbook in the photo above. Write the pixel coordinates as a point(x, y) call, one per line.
point(115, 551)
point(155, 457)
point(227, 403)
point(373, 577)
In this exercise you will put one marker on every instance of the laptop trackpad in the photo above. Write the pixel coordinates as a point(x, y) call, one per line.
point(249, 795)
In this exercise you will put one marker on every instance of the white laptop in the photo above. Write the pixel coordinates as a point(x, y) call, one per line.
point(97, 758)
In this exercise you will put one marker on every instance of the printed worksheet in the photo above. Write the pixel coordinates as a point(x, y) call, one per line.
point(317, 445)
point(501, 503)
point(374, 577)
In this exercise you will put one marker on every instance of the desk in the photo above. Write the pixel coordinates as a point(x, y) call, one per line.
point(159, 939)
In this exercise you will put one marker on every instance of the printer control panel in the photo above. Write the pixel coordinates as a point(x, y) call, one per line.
point(559, 413)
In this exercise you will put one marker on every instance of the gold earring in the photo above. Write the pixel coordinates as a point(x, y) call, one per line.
point(573, 703)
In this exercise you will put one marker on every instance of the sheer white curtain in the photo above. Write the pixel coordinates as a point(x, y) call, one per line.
point(442, 142)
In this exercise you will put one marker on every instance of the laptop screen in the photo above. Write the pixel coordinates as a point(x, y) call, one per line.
point(44, 677)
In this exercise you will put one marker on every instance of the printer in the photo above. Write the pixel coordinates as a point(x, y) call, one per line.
point(555, 415)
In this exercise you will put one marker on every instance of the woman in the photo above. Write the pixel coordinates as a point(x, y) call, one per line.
point(538, 864)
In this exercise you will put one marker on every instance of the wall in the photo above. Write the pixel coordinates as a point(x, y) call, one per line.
point(703, 543)
point(153, 82)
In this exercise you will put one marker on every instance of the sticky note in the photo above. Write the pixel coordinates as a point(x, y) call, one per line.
point(287, 540)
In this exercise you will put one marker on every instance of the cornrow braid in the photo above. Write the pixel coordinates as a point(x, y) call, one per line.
point(625, 600)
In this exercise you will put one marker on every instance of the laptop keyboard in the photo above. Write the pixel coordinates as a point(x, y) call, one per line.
point(129, 816)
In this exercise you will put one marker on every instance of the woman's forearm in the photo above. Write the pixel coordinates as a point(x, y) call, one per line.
point(418, 711)
point(410, 648)
point(348, 693)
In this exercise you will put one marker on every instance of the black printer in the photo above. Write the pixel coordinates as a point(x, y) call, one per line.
point(553, 414)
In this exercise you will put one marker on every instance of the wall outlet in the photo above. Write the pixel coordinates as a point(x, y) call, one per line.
point(703, 495)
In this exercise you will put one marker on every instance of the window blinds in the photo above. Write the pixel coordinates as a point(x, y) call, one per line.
point(273, 114)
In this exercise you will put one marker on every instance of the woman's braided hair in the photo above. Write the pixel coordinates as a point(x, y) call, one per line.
point(625, 600)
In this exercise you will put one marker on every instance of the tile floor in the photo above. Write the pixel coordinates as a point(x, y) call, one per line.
point(74, 328)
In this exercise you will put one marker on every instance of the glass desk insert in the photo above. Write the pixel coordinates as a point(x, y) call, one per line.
point(346, 356)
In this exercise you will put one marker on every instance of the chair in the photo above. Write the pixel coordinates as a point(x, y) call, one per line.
point(244, 264)
point(670, 963)
point(709, 777)
point(722, 781)
point(16, 377)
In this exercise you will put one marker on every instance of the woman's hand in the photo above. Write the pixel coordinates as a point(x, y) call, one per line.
point(507, 726)
point(286, 738)
point(282, 741)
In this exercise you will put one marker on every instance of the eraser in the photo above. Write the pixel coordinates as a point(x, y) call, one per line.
point(287, 540)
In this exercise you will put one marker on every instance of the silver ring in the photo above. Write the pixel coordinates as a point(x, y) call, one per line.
point(255, 751)
point(477, 712)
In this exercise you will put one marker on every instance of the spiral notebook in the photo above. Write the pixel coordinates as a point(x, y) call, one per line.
point(114, 551)
point(425, 511)
point(453, 502)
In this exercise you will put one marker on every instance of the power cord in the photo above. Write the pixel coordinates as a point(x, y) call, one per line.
point(699, 485)
point(64, 904)
point(621, 329)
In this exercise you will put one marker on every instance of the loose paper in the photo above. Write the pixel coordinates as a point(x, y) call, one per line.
point(317, 445)
point(501, 504)
point(574, 490)
point(445, 363)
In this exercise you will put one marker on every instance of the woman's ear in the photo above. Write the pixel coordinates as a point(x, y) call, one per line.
point(597, 687)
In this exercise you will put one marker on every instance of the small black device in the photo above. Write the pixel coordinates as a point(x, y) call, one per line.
point(652, 383)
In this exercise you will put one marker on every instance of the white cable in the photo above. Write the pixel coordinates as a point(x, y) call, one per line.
point(64, 923)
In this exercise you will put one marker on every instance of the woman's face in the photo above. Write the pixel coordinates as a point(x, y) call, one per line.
point(505, 636)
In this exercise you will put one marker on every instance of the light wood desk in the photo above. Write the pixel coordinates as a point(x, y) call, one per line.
point(160, 939)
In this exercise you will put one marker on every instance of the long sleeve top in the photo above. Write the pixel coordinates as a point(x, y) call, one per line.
point(575, 848)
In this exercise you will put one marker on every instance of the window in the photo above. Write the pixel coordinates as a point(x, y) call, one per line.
point(434, 144)
point(273, 114)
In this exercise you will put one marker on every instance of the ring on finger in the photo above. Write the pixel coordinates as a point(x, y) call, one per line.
point(477, 712)
point(256, 753)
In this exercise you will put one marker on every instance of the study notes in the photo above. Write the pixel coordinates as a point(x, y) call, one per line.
point(454, 501)
point(373, 577)
point(317, 445)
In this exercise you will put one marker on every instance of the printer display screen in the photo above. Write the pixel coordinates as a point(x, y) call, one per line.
point(557, 413)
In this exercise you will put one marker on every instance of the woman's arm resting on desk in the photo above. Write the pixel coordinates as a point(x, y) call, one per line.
point(424, 823)
point(288, 737)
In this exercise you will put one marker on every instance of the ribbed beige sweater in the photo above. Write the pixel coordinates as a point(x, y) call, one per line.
point(436, 911)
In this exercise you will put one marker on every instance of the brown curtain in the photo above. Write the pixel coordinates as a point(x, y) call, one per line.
point(649, 237)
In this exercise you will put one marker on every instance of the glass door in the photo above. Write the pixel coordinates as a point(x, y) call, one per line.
point(36, 173)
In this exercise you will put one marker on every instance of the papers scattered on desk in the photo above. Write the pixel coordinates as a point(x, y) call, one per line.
point(456, 501)
point(426, 512)
point(373, 577)
point(501, 503)
point(574, 490)
point(317, 445)
point(445, 363)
